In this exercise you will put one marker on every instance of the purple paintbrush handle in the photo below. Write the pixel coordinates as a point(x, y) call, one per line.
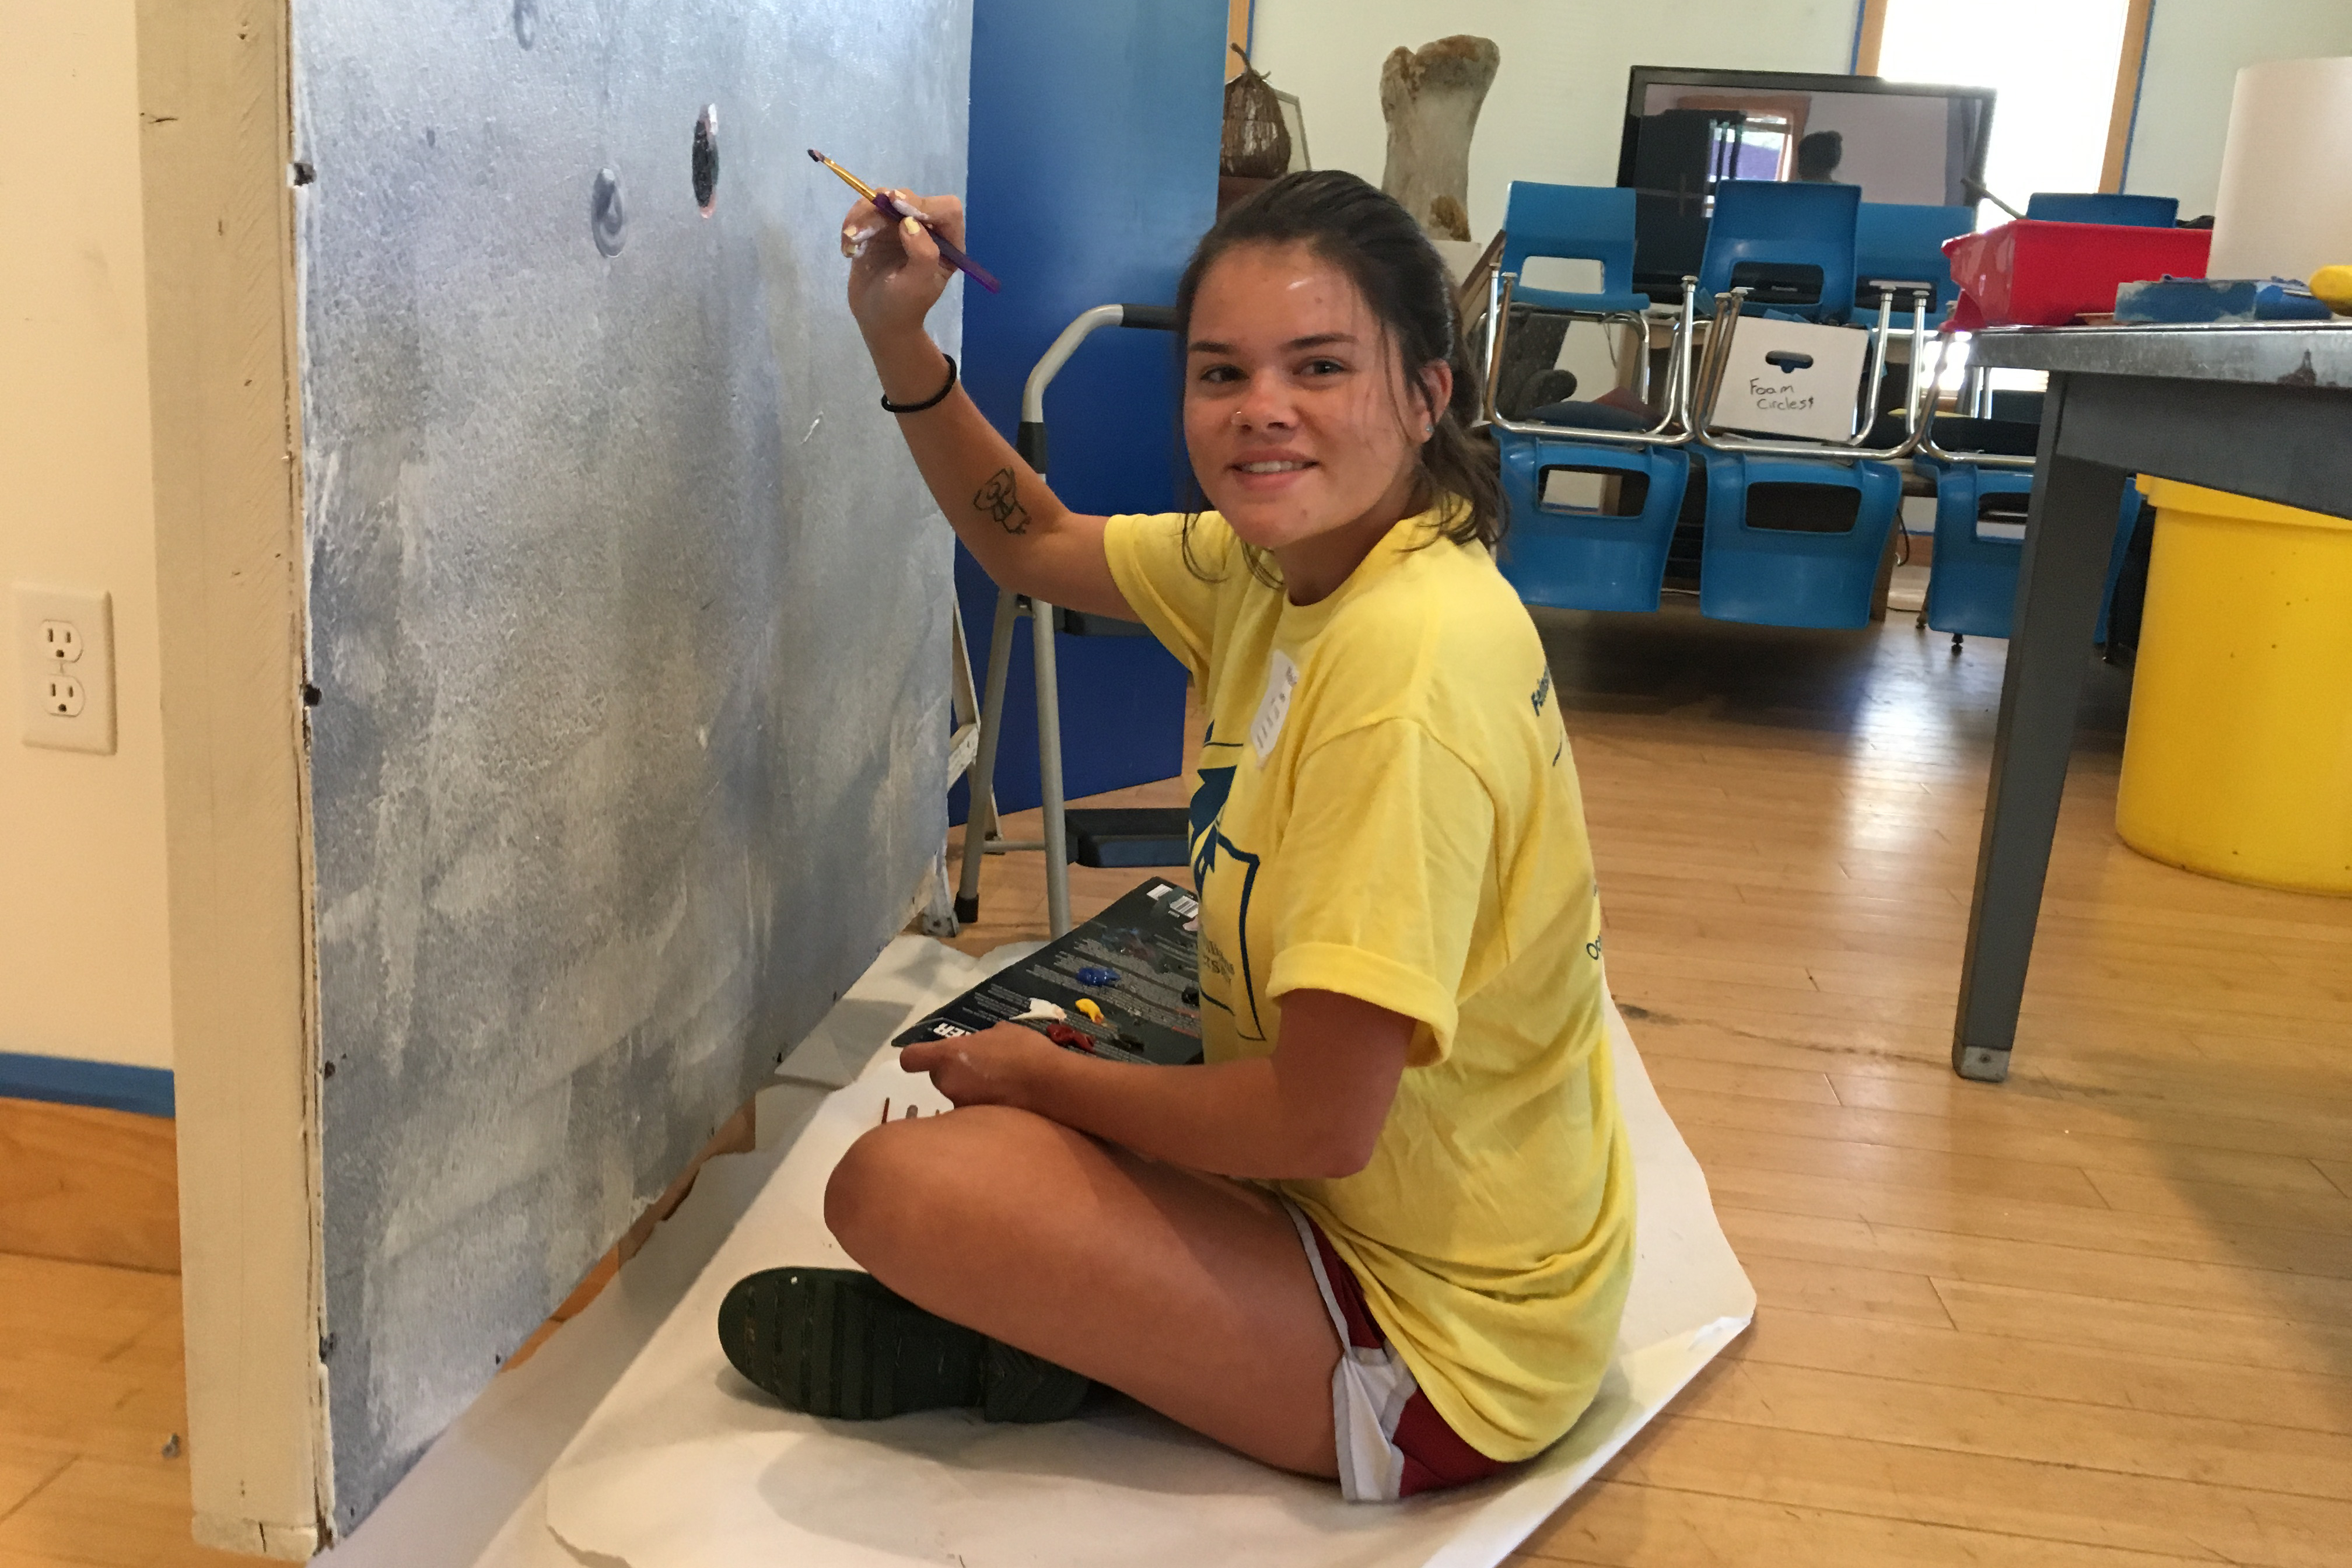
point(949, 253)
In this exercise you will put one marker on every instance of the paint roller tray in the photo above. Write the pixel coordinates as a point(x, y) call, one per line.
point(1129, 836)
point(2033, 273)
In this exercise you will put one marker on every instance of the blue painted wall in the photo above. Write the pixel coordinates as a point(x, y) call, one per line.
point(1095, 129)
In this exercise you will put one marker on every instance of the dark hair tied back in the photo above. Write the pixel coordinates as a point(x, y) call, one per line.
point(1369, 237)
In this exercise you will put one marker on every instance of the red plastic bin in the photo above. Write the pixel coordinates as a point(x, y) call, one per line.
point(2030, 273)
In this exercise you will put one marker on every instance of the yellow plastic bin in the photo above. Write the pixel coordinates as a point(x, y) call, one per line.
point(2238, 760)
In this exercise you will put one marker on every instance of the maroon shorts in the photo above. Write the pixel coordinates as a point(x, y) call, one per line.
point(1392, 1442)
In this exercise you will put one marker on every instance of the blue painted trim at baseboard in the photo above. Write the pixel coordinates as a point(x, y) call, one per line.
point(62, 1080)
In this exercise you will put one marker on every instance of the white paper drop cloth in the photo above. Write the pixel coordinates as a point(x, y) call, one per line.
point(684, 1466)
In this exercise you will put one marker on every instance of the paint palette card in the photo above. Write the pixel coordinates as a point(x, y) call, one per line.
point(1121, 986)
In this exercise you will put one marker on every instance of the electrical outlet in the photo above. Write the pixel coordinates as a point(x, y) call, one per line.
point(64, 668)
point(62, 697)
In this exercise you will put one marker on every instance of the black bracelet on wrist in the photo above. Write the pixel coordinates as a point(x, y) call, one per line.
point(931, 402)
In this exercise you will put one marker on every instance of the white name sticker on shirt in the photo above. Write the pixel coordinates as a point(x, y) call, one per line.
point(1281, 679)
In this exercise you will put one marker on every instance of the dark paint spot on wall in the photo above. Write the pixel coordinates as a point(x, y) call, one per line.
point(607, 222)
point(526, 22)
point(706, 159)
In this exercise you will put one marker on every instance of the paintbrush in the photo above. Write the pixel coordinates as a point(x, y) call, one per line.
point(948, 252)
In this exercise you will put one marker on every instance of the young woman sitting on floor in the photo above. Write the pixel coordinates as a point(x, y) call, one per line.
point(1384, 1232)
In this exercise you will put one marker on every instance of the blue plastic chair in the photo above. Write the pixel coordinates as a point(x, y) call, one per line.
point(1787, 577)
point(1894, 242)
point(1568, 557)
point(2103, 206)
point(1973, 580)
point(1576, 223)
point(1776, 224)
point(1574, 559)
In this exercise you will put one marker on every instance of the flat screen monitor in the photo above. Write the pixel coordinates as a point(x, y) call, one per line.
point(1685, 129)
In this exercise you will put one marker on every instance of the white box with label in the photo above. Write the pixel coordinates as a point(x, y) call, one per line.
point(1793, 378)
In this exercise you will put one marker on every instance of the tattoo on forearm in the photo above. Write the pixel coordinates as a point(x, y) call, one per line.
point(1000, 498)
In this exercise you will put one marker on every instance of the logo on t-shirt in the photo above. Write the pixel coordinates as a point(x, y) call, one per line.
point(1209, 797)
point(1543, 689)
point(1225, 877)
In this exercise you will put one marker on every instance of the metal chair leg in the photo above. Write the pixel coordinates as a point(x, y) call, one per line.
point(963, 749)
point(1049, 768)
point(939, 917)
point(980, 821)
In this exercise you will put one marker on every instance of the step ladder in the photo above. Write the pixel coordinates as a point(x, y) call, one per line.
point(1103, 837)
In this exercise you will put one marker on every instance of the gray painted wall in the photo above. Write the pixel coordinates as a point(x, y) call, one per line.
point(627, 620)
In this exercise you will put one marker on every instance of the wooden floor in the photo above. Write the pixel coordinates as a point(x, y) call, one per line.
point(93, 1452)
point(2099, 1317)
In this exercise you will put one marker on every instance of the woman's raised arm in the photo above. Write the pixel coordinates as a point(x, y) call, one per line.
point(1020, 532)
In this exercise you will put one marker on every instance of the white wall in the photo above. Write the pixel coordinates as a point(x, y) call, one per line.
point(83, 955)
point(2195, 51)
point(1558, 106)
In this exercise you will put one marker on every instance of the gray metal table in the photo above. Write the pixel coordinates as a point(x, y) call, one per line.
point(2262, 411)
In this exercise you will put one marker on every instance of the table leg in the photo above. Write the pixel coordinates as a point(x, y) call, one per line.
point(2069, 534)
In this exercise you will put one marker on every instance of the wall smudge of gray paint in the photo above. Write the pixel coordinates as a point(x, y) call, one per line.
point(628, 619)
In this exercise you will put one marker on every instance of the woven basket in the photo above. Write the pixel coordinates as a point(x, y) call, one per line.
point(1257, 142)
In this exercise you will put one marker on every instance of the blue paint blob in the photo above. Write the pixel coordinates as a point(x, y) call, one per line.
point(1096, 974)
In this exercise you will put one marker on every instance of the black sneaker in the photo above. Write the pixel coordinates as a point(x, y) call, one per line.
point(840, 1343)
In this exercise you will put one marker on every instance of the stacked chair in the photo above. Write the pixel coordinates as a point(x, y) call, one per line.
point(1975, 575)
point(1788, 248)
point(1898, 244)
point(1986, 472)
point(1795, 530)
point(1791, 246)
point(1575, 558)
point(1972, 587)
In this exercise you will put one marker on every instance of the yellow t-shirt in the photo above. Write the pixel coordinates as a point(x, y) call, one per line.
point(1385, 807)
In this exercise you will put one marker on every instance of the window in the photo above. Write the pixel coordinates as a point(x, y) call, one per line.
point(2060, 69)
point(1763, 147)
point(2055, 64)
